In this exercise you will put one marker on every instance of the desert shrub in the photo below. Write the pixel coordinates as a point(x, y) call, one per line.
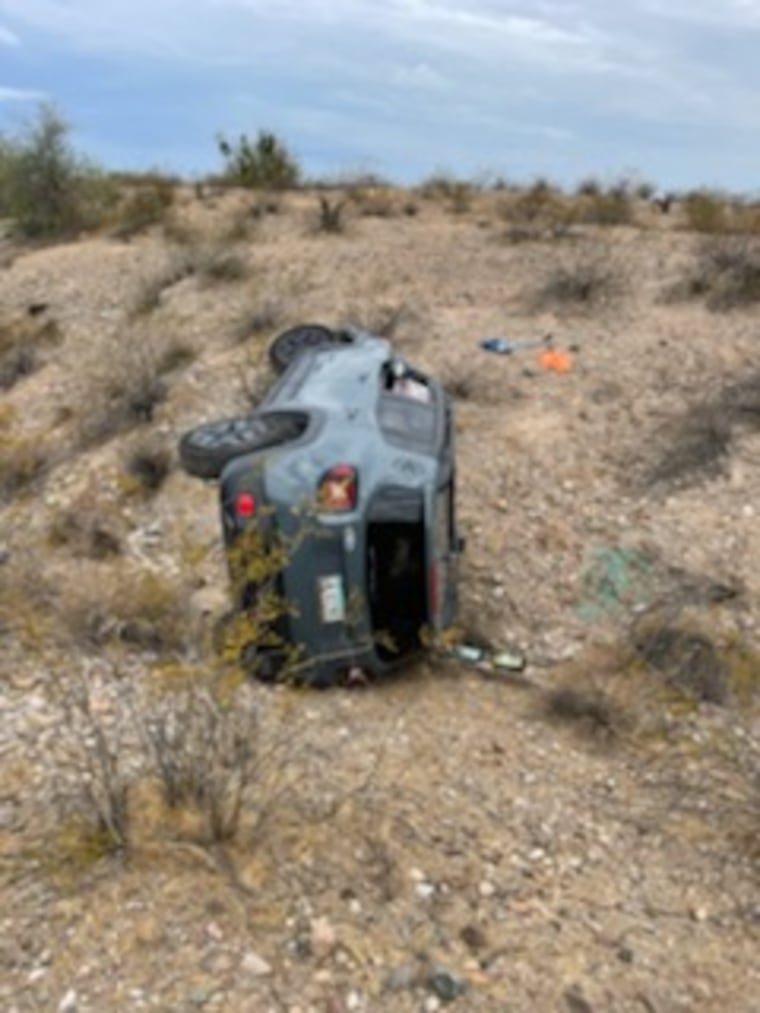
point(264, 163)
point(219, 264)
point(16, 364)
point(373, 202)
point(382, 319)
point(125, 387)
point(45, 186)
point(456, 194)
point(23, 460)
point(20, 342)
point(589, 708)
point(686, 659)
point(696, 446)
point(178, 757)
point(174, 355)
point(726, 274)
point(149, 464)
point(644, 190)
point(330, 215)
point(585, 280)
point(138, 608)
point(613, 206)
point(261, 319)
point(589, 187)
point(204, 745)
point(705, 211)
point(539, 212)
point(82, 529)
point(183, 265)
point(148, 204)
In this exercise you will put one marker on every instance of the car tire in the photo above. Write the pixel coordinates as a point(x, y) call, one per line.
point(206, 449)
point(287, 346)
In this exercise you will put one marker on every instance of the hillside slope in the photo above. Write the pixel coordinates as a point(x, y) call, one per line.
point(583, 836)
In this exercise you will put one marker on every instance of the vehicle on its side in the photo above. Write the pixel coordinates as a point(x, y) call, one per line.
point(348, 463)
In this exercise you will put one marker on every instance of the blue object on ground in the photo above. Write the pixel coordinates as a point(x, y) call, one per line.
point(505, 346)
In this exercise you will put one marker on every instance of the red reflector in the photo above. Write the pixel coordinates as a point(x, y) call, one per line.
point(337, 489)
point(245, 504)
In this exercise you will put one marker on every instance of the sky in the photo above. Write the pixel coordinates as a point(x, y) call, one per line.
point(661, 90)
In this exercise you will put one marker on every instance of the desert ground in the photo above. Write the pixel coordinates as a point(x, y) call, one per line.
point(580, 836)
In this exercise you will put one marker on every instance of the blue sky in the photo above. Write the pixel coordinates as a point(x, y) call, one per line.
point(666, 89)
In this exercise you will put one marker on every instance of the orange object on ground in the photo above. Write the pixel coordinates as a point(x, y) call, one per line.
point(552, 358)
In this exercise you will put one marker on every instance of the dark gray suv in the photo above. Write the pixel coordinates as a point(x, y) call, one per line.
point(348, 466)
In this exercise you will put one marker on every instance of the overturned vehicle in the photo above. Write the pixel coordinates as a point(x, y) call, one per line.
point(338, 508)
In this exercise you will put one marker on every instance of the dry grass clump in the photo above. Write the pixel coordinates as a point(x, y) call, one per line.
point(146, 204)
point(610, 207)
point(726, 274)
point(21, 339)
point(264, 318)
point(456, 194)
point(715, 213)
point(178, 759)
point(686, 659)
point(693, 447)
point(472, 379)
point(698, 444)
point(23, 461)
point(374, 201)
point(217, 264)
point(149, 464)
point(125, 388)
point(210, 264)
point(385, 320)
point(175, 355)
point(584, 279)
point(141, 608)
point(540, 212)
point(599, 696)
point(596, 204)
point(329, 217)
point(83, 530)
point(150, 291)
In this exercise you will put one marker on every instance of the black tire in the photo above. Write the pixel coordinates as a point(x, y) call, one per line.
point(288, 346)
point(205, 450)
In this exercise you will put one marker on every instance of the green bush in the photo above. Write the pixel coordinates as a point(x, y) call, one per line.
point(706, 212)
point(45, 186)
point(264, 163)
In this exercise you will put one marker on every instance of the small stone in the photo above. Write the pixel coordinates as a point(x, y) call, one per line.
point(424, 890)
point(486, 888)
point(322, 937)
point(403, 977)
point(354, 1001)
point(255, 965)
point(69, 1003)
point(699, 914)
point(445, 986)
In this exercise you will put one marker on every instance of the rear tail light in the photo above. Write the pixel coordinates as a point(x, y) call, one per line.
point(338, 489)
point(245, 506)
